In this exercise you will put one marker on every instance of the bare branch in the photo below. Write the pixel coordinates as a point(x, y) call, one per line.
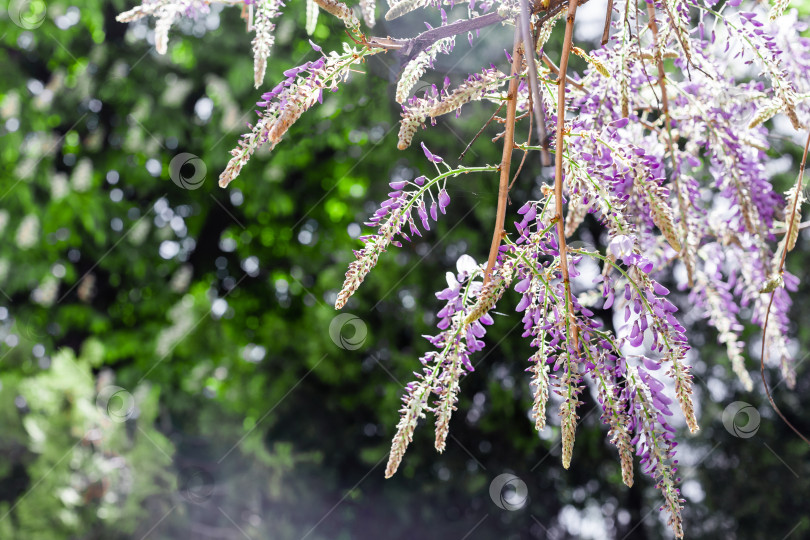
point(409, 48)
point(506, 157)
point(608, 15)
point(480, 131)
point(539, 115)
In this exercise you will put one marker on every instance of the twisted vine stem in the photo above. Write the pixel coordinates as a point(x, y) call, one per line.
point(781, 268)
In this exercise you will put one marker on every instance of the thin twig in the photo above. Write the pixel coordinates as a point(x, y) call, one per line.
point(558, 162)
point(551, 65)
point(534, 86)
point(649, 126)
point(608, 16)
point(662, 82)
point(556, 71)
point(517, 118)
point(480, 131)
point(525, 153)
point(797, 190)
point(409, 48)
point(506, 158)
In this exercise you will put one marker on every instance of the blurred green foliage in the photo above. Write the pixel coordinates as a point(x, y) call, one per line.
point(236, 414)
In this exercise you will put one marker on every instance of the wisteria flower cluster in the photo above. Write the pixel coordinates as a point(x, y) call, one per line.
point(662, 139)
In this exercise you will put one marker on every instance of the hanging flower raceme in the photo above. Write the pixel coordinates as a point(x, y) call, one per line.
point(263, 25)
point(460, 335)
point(303, 87)
point(435, 103)
point(600, 355)
point(413, 203)
point(417, 67)
point(166, 12)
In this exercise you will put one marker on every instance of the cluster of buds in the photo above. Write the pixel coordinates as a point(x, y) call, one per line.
point(283, 105)
point(435, 103)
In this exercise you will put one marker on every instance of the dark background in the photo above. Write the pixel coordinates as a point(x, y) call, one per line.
point(236, 415)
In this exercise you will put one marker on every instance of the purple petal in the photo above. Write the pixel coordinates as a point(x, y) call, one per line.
point(444, 200)
point(398, 185)
point(523, 304)
point(659, 289)
point(650, 364)
point(523, 285)
point(431, 157)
